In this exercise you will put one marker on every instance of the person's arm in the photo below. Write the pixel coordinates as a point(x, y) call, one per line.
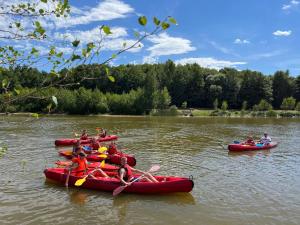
point(122, 171)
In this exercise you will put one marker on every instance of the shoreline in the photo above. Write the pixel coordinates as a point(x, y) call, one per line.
point(194, 113)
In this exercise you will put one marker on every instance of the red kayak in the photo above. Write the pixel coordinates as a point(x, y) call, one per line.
point(167, 184)
point(72, 141)
point(93, 165)
point(96, 157)
point(256, 147)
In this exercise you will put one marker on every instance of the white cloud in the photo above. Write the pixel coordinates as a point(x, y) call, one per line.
point(112, 42)
point(291, 5)
point(167, 45)
point(105, 10)
point(209, 62)
point(282, 33)
point(150, 60)
point(240, 41)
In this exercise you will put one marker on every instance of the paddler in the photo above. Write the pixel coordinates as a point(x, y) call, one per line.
point(266, 139)
point(79, 167)
point(249, 141)
point(126, 173)
point(84, 135)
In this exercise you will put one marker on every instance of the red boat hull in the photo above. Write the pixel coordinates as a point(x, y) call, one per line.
point(167, 184)
point(241, 147)
point(72, 141)
point(115, 159)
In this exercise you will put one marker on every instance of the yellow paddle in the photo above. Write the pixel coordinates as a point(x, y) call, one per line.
point(102, 156)
point(102, 149)
point(79, 182)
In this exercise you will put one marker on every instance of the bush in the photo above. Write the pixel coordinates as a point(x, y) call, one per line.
point(271, 113)
point(298, 107)
point(216, 104)
point(288, 103)
point(224, 106)
point(262, 106)
point(184, 105)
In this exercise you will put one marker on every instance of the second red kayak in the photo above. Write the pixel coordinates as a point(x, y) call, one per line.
point(72, 141)
point(256, 147)
point(115, 159)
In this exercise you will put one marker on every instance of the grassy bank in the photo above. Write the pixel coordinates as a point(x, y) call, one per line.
point(238, 113)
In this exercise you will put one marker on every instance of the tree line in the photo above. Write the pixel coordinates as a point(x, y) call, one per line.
point(138, 89)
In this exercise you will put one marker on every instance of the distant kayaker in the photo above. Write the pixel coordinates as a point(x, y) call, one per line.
point(103, 133)
point(76, 148)
point(112, 149)
point(249, 141)
point(126, 173)
point(266, 139)
point(95, 144)
point(84, 135)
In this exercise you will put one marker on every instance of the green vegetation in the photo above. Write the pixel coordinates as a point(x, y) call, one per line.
point(145, 89)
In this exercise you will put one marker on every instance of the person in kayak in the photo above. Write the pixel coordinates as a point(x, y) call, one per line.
point(249, 141)
point(79, 167)
point(84, 135)
point(95, 144)
point(125, 173)
point(103, 133)
point(112, 149)
point(266, 139)
point(76, 148)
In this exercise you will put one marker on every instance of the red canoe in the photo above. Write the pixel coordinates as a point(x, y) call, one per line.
point(93, 165)
point(94, 157)
point(167, 184)
point(242, 147)
point(72, 141)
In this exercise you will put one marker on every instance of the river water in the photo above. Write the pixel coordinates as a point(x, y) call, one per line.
point(236, 189)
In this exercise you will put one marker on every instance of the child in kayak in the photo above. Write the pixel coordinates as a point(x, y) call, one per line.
point(126, 173)
point(103, 133)
point(266, 139)
point(84, 135)
point(79, 167)
point(249, 141)
point(76, 148)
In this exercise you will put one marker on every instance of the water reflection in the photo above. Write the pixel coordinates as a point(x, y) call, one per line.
point(249, 153)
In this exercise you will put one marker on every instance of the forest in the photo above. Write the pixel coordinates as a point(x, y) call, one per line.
point(138, 89)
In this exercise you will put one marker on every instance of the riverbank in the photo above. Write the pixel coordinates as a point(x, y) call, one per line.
point(187, 113)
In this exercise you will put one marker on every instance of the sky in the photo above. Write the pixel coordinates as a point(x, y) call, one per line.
point(262, 35)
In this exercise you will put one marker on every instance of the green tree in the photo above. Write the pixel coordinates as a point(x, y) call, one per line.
point(163, 99)
point(297, 89)
point(216, 104)
point(288, 103)
point(282, 87)
point(298, 107)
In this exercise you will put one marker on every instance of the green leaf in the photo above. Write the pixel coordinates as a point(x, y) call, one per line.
point(34, 51)
point(111, 78)
point(52, 51)
point(124, 44)
point(142, 20)
point(35, 115)
point(156, 21)
point(41, 11)
point(113, 56)
point(59, 55)
point(4, 83)
point(165, 25)
point(75, 43)
point(17, 91)
point(44, 1)
point(106, 30)
point(54, 99)
point(39, 28)
point(172, 20)
point(75, 57)
point(107, 71)
point(18, 25)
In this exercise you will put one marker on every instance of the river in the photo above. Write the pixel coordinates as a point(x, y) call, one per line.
point(236, 189)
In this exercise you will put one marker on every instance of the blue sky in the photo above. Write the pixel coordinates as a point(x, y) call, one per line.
point(259, 35)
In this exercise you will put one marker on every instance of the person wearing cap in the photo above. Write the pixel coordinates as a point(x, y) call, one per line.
point(266, 139)
point(76, 148)
point(125, 173)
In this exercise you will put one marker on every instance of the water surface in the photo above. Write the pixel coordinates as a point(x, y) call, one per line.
point(247, 188)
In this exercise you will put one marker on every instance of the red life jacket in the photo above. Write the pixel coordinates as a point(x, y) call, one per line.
point(112, 150)
point(128, 172)
point(95, 146)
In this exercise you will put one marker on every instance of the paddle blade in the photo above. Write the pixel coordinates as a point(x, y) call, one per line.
point(102, 156)
point(102, 164)
point(118, 190)
point(102, 149)
point(68, 152)
point(79, 182)
point(154, 168)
